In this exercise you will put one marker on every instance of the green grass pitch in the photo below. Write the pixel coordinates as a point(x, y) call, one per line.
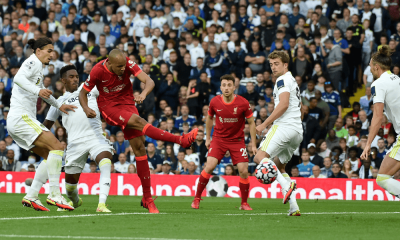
point(217, 218)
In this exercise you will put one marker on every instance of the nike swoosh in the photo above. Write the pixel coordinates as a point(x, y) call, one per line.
point(219, 110)
point(105, 81)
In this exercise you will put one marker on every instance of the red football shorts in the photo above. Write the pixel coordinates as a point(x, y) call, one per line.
point(238, 150)
point(119, 116)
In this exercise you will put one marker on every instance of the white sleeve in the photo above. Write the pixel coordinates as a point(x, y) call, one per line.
point(378, 93)
point(54, 113)
point(24, 76)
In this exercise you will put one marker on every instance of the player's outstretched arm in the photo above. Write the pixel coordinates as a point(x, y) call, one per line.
point(253, 134)
point(209, 124)
point(83, 100)
point(278, 111)
point(374, 128)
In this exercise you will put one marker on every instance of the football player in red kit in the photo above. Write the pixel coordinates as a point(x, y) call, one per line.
point(231, 112)
point(117, 105)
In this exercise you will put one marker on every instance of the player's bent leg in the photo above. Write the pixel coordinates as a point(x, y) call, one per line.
point(104, 162)
point(143, 171)
point(388, 168)
point(205, 176)
point(31, 199)
point(244, 185)
point(294, 208)
point(260, 156)
point(48, 144)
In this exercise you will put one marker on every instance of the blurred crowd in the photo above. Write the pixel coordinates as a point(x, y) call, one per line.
point(185, 46)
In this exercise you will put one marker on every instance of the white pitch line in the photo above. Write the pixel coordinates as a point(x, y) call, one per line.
point(73, 216)
point(86, 237)
point(308, 213)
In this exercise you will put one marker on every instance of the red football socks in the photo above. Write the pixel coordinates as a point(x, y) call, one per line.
point(204, 178)
point(143, 172)
point(158, 134)
point(244, 185)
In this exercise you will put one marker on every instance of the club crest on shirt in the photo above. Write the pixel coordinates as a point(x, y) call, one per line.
point(105, 89)
point(373, 92)
point(221, 120)
point(121, 118)
point(235, 110)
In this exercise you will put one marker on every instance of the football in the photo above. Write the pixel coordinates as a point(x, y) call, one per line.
point(217, 187)
point(266, 171)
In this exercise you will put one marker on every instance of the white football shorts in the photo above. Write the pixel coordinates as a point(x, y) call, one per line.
point(281, 142)
point(78, 152)
point(24, 129)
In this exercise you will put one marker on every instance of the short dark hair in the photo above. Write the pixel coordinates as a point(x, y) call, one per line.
point(65, 69)
point(351, 126)
point(40, 43)
point(228, 77)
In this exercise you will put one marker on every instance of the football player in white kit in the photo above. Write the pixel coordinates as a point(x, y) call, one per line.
point(85, 136)
point(286, 133)
point(385, 93)
point(29, 133)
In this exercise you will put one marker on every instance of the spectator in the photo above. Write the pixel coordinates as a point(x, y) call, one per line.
point(184, 118)
point(374, 173)
point(354, 160)
point(76, 41)
point(322, 146)
point(365, 171)
point(121, 165)
point(3, 149)
point(166, 167)
point(336, 170)
point(192, 169)
point(121, 145)
point(96, 26)
point(295, 171)
point(10, 145)
point(308, 93)
point(376, 160)
point(154, 158)
point(250, 94)
point(301, 65)
point(200, 147)
point(333, 62)
point(305, 168)
point(352, 139)
point(169, 90)
point(132, 168)
point(382, 20)
point(11, 163)
point(317, 173)
point(93, 167)
point(327, 169)
point(255, 58)
point(311, 128)
point(340, 130)
point(317, 113)
point(333, 99)
point(314, 157)
point(362, 115)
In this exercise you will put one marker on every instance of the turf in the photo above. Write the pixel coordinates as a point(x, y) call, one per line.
point(217, 218)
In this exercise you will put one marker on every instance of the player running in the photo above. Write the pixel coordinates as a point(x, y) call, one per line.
point(230, 111)
point(29, 133)
point(85, 136)
point(385, 93)
point(117, 105)
point(286, 133)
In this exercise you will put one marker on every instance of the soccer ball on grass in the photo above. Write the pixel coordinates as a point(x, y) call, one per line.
point(266, 171)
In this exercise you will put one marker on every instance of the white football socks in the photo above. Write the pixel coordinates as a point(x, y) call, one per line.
point(72, 192)
point(54, 164)
point(40, 178)
point(292, 200)
point(105, 179)
point(389, 184)
point(281, 179)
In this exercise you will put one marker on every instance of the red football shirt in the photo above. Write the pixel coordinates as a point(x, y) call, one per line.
point(113, 89)
point(230, 117)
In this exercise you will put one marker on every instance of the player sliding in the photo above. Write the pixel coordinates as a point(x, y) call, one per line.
point(230, 111)
point(85, 136)
point(385, 93)
point(286, 133)
point(117, 105)
point(29, 133)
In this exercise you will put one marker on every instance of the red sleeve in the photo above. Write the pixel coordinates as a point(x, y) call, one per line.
point(133, 67)
point(91, 81)
point(247, 113)
point(211, 111)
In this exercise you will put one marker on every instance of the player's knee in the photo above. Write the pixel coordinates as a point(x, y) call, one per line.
point(382, 179)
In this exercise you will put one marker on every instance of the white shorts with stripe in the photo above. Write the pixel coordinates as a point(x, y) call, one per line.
point(394, 150)
point(281, 142)
point(78, 152)
point(24, 129)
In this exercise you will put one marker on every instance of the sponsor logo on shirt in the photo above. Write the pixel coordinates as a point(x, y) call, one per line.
point(117, 88)
point(228, 120)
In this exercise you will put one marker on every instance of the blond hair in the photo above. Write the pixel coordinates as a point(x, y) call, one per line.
point(382, 57)
point(282, 55)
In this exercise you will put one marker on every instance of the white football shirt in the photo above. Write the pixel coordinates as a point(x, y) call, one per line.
point(77, 124)
point(292, 116)
point(386, 90)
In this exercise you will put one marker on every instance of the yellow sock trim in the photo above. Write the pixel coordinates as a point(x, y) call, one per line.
point(70, 188)
point(285, 175)
point(382, 177)
point(58, 152)
point(104, 161)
